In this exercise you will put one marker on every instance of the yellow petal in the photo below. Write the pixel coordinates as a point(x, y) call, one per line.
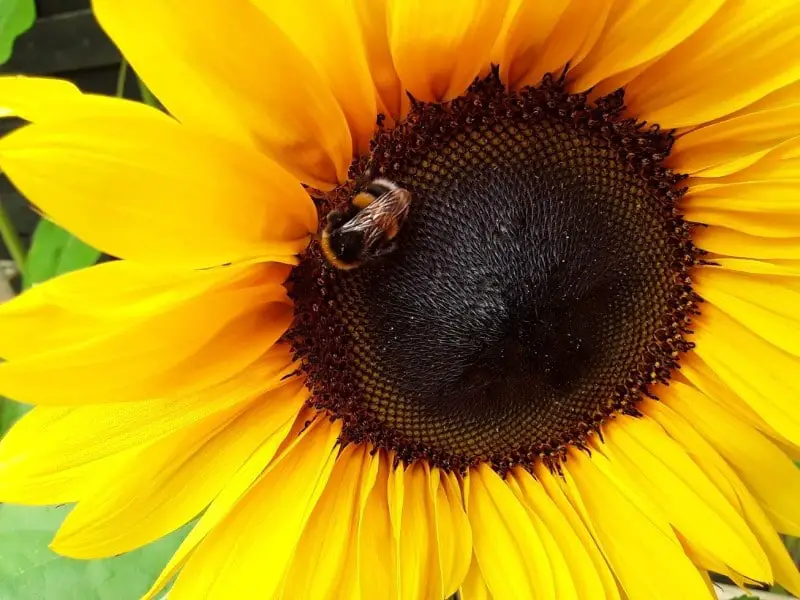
point(511, 556)
point(241, 78)
point(691, 503)
point(527, 27)
point(418, 570)
point(30, 323)
point(576, 575)
point(642, 551)
point(550, 484)
point(708, 562)
point(440, 47)
point(730, 242)
point(474, 587)
point(377, 570)
point(42, 484)
point(710, 585)
point(538, 44)
point(351, 579)
point(773, 222)
point(49, 455)
point(91, 302)
point(728, 482)
point(395, 489)
point(703, 377)
point(783, 96)
point(780, 163)
point(453, 533)
point(758, 372)
point(769, 208)
point(739, 56)
point(373, 24)
point(242, 545)
point(562, 578)
point(765, 304)
point(171, 481)
point(42, 99)
point(337, 53)
point(18, 91)
point(733, 144)
point(325, 545)
point(178, 197)
point(769, 474)
point(201, 341)
point(758, 267)
point(636, 33)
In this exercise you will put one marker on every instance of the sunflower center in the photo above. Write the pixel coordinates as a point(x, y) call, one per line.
point(538, 286)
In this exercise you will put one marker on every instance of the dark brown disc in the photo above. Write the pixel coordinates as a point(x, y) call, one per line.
point(539, 286)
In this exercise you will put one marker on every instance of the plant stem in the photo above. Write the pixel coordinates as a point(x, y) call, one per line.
point(147, 95)
point(11, 239)
point(122, 76)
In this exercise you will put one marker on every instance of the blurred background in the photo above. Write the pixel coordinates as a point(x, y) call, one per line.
point(55, 38)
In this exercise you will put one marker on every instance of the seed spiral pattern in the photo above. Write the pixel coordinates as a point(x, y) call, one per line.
point(540, 284)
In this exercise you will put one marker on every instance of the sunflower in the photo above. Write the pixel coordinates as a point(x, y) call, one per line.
point(566, 373)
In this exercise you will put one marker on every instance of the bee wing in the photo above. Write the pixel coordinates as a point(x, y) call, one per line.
point(381, 219)
point(388, 211)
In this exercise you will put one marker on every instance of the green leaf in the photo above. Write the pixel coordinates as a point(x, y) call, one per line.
point(55, 251)
point(29, 569)
point(793, 545)
point(10, 412)
point(16, 17)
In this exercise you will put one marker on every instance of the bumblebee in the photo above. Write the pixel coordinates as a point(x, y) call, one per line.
point(367, 227)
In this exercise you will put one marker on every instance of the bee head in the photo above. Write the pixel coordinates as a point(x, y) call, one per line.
point(337, 218)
